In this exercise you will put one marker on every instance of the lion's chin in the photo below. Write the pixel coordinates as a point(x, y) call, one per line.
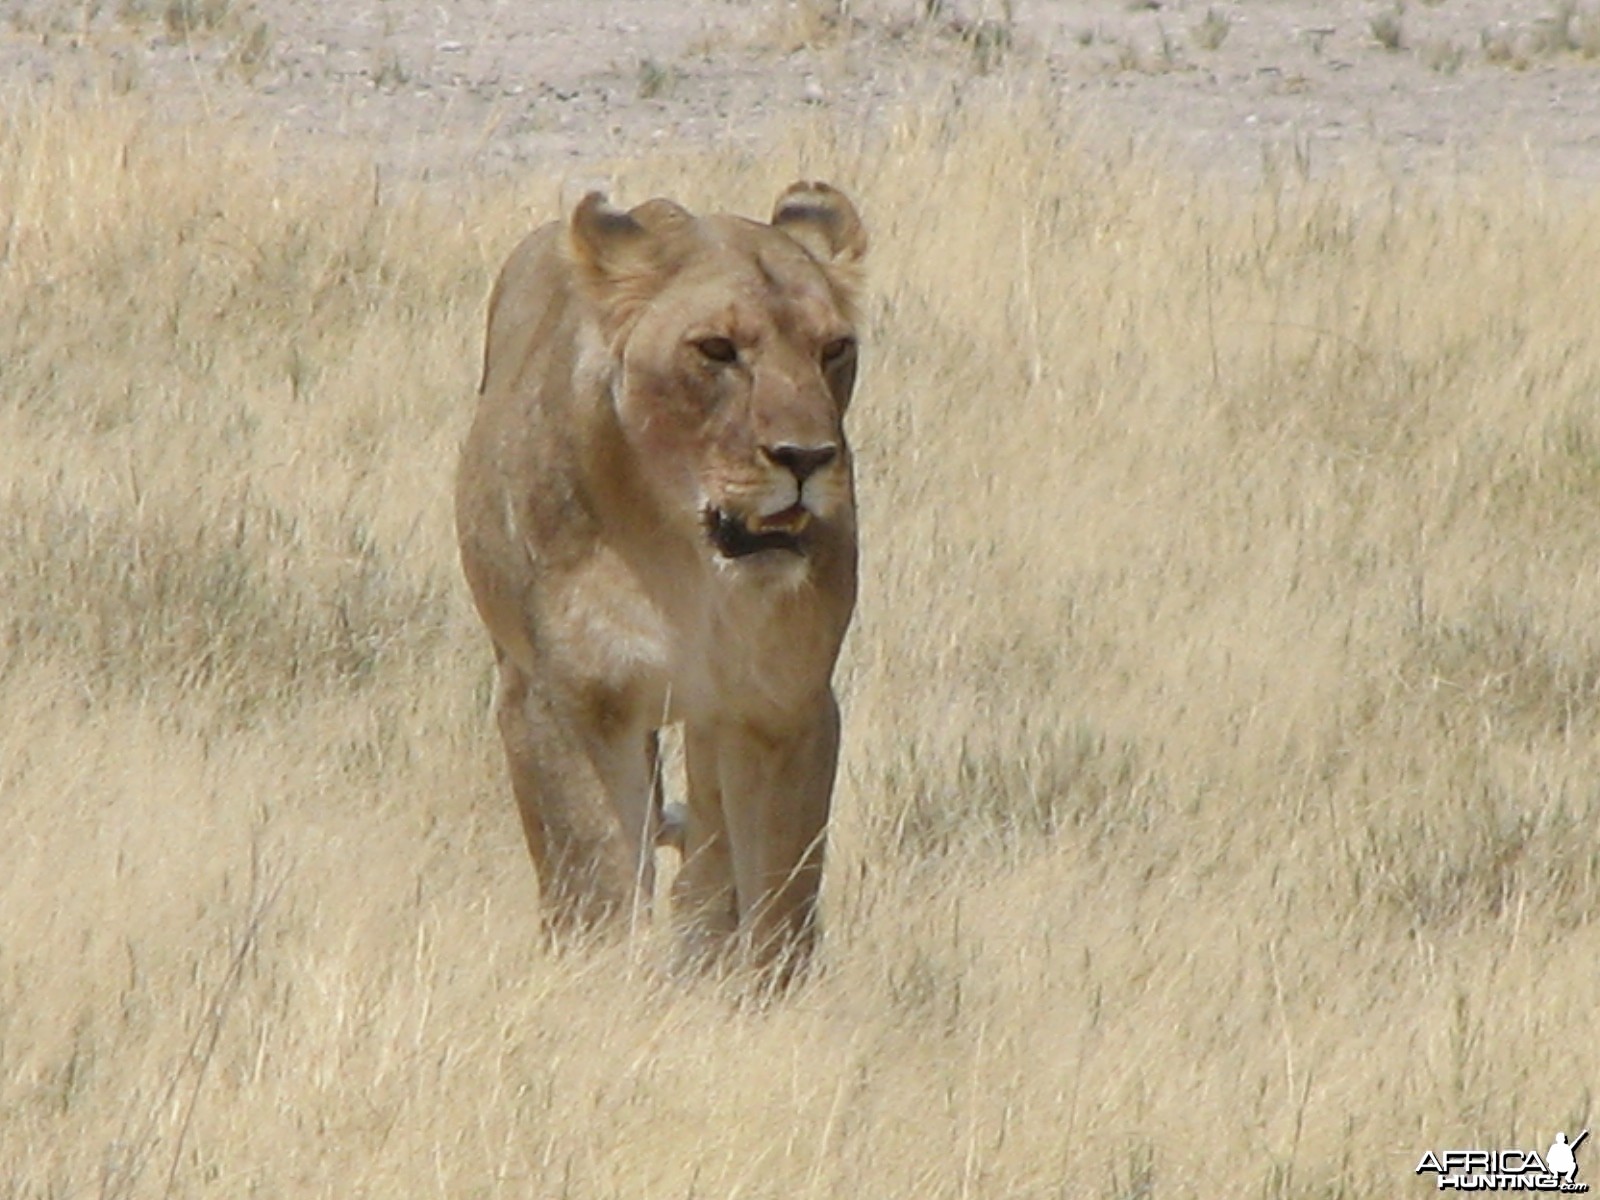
point(739, 537)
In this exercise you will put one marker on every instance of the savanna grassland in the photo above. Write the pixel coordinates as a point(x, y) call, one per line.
point(1220, 806)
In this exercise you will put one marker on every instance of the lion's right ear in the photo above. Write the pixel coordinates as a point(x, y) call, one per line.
point(623, 258)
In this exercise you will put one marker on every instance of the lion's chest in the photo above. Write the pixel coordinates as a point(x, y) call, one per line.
point(746, 654)
point(704, 648)
point(607, 630)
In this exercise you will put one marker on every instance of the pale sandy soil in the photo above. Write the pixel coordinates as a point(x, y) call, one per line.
point(449, 91)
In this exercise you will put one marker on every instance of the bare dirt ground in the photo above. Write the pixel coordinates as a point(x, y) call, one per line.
point(450, 91)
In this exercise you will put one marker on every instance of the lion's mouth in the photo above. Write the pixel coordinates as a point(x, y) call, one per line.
point(737, 537)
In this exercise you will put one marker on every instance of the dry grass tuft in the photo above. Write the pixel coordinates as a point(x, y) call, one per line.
point(1211, 30)
point(1388, 28)
point(1223, 713)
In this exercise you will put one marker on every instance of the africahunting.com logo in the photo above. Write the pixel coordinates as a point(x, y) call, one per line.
point(1507, 1170)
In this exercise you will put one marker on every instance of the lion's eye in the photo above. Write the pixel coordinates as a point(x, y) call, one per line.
point(718, 349)
point(836, 351)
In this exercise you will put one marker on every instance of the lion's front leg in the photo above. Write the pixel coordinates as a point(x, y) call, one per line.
point(705, 910)
point(581, 777)
point(776, 789)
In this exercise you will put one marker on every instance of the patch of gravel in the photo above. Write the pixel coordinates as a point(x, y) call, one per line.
point(451, 91)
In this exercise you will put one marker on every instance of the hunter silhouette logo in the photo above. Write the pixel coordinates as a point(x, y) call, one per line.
point(1562, 1158)
point(1507, 1170)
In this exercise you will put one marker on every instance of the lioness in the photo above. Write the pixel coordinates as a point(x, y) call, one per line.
point(657, 522)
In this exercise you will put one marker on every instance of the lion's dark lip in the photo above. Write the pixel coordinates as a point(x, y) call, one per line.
point(734, 539)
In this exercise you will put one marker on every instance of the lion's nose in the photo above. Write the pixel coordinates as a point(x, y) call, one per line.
point(802, 461)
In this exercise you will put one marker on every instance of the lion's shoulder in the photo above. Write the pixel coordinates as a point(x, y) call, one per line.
point(532, 291)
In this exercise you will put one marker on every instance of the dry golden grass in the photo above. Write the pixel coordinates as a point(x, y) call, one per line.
point(1219, 807)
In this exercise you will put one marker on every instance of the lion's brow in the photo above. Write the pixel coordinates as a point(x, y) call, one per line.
point(787, 296)
point(768, 276)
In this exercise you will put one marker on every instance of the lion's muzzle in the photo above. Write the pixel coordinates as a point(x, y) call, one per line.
point(783, 515)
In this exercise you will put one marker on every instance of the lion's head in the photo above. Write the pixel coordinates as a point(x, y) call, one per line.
point(737, 350)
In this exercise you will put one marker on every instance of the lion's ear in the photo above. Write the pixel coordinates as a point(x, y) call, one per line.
point(623, 257)
point(821, 219)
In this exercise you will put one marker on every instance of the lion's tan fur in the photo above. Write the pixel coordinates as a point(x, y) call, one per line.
point(616, 479)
